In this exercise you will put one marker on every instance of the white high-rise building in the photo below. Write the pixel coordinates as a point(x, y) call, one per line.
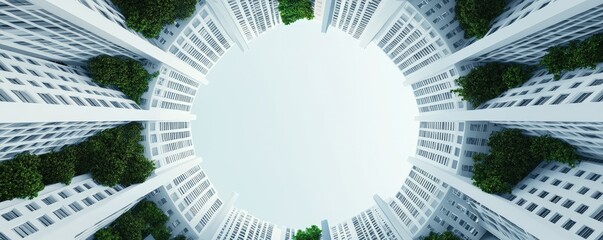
point(50, 102)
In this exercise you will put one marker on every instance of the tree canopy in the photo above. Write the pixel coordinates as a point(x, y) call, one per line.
point(576, 54)
point(127, 74)
point(293, 10)
point(143, 219)
point(115, 156)
point(311, 233)
point(475, 16)
point(20, 178)
point(447, 235)
point(513, 156)
point(57, 167)
point(148, 17)
point(490, 80)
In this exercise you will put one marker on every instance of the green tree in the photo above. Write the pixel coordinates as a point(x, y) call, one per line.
point(160, 233)
point(152, 215)
point(490, 80)
point(128, 226)
point(576, 54)
point(513, 156)
point(293, 10)
point(475, 16)
point(179, 237)
point(150, 16)
point(551, 149)
point(447, 235)
point(106, 234)
point(115, 156)
point(127, 74)
point(311, 233)
point(57, 167)
point(20, 178)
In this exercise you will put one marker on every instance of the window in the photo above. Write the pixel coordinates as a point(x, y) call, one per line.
point(568, 186)
point(78, 189)
point(598, 215)
point(533, 190)
point(543, 179)
point(543, 194)
point(11, 215)
point(556, 182)
point(47, 221)
point(32, 206)
point(579, 173)
point(593, 177)
point(582, 97)
point(565, 170)
point(560, 99)
point(569, 224)
point(543, 212)
point(49, 200)
point(23, 96)
point(47, 98)
point(531, 207)
point(555, 199)
point(76, 207)
point(581, 209)
point(568, 203)
point(575, 85)
point(596, 195)
point(25, 229)
point(555, 218)
point(61, 213)
point(521, 202)
point(585, 232)
point(583, 190)
point(87, 201)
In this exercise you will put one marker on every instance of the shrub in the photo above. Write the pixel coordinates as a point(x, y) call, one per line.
point(57, 167)
point(20, 178)
point(311, 233)
point(513, 156)
point(116, 157)
point(127, 74)
point(475, 16)
point(150, 16)
point(447, 235)
point(143, 219)
point(574, 55)
point(490, 80)
point(293, 10)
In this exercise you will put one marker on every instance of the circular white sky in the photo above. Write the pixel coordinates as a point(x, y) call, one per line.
point(305, 126)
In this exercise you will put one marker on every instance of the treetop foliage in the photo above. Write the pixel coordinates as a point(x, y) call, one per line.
point(127, 74)
point(311, 233)
point(447, 235)
point(293, 10)
point(488, 81)
point(148, 17)
point(513, 156)
point(113, 156)
point(20, 178)
point(577, 54)
point(475, 16)
point(143, 219)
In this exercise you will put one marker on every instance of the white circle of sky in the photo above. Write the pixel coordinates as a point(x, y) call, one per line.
point(305, 126)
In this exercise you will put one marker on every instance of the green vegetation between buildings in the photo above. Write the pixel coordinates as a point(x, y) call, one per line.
point(311, 233)
point(577, 54)
point(143, 219)
point(490, 80)
point(148, 17)
point(113, 156)
point(447, 235)
point(127, 74)
point(513, 156)
point(475, 16)
point(293, 10)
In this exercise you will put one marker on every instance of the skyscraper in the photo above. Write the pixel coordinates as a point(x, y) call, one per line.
point(50, 101)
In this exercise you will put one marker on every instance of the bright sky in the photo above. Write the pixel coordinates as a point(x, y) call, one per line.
point(305, 126)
